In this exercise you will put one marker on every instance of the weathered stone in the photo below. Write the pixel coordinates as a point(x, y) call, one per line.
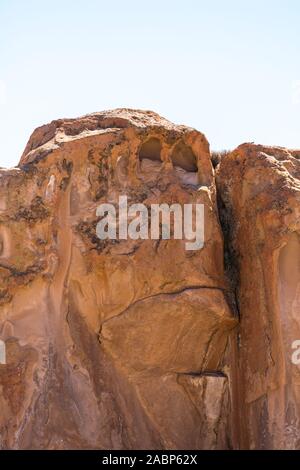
point(259, 191)
point(111, 343)
point(129, 344)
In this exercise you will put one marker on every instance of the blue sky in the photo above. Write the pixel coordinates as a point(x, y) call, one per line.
point(229, 68)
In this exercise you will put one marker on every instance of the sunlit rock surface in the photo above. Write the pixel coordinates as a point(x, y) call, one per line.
point(113, 344)
point(142, 344)
point(259, 191)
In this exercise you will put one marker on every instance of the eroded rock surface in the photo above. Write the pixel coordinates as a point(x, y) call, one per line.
point(128, 344)
point(111, 343)
point(259, 191)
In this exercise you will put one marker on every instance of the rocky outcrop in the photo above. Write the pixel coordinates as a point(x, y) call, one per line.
point(140, 343)
point(111, 343)
point(259, 191)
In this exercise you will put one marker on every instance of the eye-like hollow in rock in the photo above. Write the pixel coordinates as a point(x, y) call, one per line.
point(151, 150)
point(184, 157)
point(185, 164)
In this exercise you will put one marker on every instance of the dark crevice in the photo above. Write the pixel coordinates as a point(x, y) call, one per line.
point(231, 257)
point(216, 157)
point(205, 373)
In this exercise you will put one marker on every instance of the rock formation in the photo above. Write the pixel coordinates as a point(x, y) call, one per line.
point(128, 344)
point(259, 192)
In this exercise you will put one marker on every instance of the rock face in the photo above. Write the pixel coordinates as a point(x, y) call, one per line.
point(259, 191)
point(111, 343)
point(139, 343)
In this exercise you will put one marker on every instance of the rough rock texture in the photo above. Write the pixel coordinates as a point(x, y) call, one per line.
point(126, 344)
point(259, 191)
point(111, 344)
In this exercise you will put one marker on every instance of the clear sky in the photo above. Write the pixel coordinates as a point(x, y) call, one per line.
point(229, 68)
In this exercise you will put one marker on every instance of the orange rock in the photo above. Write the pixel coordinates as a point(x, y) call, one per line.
point(128, 344)
point(259, 190)
point(111, 343)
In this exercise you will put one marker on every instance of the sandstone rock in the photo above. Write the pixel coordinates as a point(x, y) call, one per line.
point(259, 191)
point(128, 344)
point(118, 343)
